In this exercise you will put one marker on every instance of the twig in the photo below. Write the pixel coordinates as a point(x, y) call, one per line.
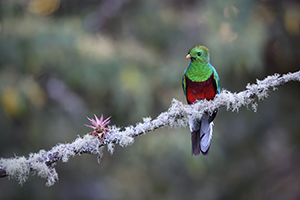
point(43, 162)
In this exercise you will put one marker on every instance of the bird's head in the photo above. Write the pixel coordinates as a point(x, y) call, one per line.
point(198, 53)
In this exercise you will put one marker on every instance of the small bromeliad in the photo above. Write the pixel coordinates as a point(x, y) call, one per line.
point(99, 126)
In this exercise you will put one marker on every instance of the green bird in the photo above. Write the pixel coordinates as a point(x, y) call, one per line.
point(200, 80)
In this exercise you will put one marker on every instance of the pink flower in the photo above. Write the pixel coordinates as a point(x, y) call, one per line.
point(99, 126)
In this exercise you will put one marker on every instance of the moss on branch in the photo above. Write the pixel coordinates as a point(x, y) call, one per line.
point(43, 163)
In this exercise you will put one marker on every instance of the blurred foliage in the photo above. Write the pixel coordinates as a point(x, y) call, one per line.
point(62, 60)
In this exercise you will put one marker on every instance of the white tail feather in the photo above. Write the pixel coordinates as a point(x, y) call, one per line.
point(205, 133)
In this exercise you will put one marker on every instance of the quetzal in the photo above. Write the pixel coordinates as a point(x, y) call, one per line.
point(200, 80)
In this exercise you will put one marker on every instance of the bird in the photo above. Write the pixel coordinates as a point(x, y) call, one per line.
point(200, 80)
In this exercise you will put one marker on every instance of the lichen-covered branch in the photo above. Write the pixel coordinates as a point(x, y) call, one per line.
point(43, 163)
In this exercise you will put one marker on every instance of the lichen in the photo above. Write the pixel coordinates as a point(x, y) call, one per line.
point(111, 148)
point(17, 168)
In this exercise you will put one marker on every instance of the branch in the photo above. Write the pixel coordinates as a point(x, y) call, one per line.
point(43, 162)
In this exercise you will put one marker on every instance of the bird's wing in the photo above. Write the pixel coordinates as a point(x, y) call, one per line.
point(216, 80)
point(184, 84)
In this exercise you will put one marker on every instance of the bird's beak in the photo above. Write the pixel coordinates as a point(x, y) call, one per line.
point(188, 56)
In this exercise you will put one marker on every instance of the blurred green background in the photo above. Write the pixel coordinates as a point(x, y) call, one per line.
point(63, 60)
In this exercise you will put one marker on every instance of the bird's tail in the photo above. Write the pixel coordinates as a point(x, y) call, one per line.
point(201, 135)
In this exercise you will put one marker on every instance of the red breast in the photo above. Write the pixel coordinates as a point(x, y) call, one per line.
point(200, 90)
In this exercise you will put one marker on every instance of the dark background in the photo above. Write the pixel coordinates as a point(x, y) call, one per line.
point(63, 60)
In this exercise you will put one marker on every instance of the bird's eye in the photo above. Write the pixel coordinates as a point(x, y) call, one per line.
point(199, 54)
